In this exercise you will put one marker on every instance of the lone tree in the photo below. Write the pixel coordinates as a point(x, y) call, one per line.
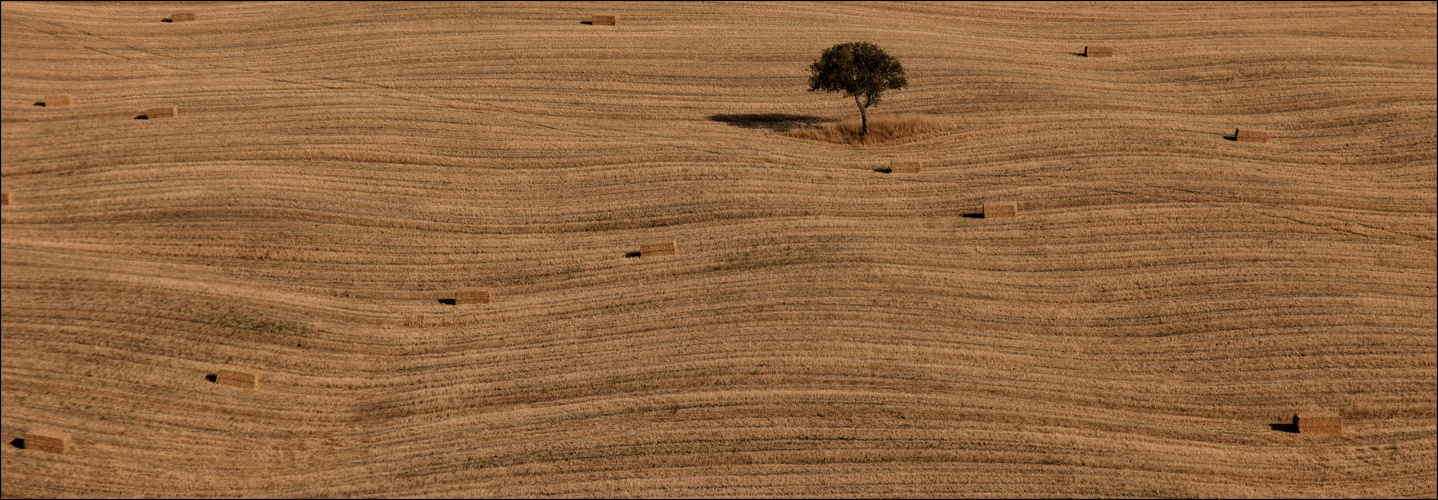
point(859, 69)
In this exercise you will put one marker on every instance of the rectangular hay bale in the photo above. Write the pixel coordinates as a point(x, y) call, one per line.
point(1098, 51)
point(474, 296)
point(1242, 135)
point(605, 21)
point(996, 209)
point(48, 441)
point(59, 101)
point(180, 17)
point(7, 198)
point(239, 379)
point(905, 166)
point(670, 247)
point(170, 112)
point(1318, 423)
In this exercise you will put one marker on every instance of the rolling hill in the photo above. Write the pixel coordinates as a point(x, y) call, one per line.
point(1164, 302)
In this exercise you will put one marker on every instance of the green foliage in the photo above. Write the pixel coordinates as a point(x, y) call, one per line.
point(858, 69)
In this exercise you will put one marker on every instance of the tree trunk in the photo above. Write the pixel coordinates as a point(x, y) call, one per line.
point(863, 114)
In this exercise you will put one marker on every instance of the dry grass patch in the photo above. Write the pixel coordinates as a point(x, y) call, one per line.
point(882, 129)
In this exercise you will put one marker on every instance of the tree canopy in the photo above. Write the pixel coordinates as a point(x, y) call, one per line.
point(860, 70)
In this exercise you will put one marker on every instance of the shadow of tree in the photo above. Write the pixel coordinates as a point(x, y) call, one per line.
point(1284, 427)
point(778, 122)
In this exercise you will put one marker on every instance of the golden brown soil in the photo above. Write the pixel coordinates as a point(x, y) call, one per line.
point(1166, 299)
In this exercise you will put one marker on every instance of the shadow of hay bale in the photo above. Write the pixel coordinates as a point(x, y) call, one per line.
point(1284, 427)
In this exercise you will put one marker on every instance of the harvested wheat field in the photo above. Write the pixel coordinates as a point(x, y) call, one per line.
point(1166, 300)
